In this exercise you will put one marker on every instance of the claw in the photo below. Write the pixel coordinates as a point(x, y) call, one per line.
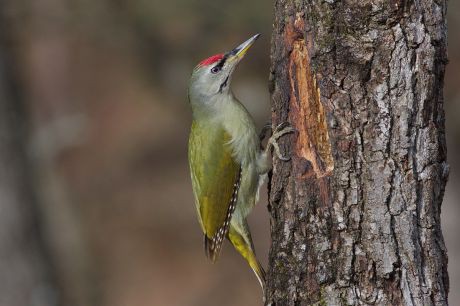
point(278, 152)
point(281, 126)
point(280, 130)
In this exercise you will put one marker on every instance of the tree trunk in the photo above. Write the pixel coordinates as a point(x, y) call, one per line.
point(25, 273)
point(355, 214)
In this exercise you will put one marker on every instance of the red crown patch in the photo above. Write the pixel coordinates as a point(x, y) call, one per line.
point(211, 60)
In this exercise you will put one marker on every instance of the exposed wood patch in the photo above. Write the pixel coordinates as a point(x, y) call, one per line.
point(307, 112)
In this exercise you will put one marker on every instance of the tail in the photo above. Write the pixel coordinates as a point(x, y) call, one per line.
point(243, 244)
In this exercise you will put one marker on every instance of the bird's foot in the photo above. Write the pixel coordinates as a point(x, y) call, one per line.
point(280, 130)
point(265, 129)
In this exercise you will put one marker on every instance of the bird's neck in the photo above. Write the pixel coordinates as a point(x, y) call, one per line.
point(212, 107)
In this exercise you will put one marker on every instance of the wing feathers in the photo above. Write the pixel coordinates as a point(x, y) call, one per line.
point(214, 245)
point(215, 178)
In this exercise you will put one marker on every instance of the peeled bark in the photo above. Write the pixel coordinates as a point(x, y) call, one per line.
point(355, 214)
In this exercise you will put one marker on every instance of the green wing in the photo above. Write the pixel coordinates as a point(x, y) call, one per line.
point(215, 178)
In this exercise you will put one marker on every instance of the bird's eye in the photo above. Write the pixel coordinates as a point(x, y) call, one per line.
point(215, 69)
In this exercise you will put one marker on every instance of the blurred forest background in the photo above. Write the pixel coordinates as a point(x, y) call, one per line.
point(100, 122)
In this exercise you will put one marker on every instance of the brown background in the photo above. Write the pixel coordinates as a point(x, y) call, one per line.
point(105, 84)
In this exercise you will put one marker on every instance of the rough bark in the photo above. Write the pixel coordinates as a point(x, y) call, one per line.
point(355, 214)
point(25, 273)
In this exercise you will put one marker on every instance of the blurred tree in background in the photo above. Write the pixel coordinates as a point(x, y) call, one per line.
point(26, 274)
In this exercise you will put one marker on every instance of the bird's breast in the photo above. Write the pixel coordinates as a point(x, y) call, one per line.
point(244, 141)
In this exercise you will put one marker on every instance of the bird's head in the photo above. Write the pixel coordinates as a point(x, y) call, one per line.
point(212, 76)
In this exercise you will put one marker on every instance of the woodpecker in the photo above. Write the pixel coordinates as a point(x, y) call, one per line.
point(227, 163)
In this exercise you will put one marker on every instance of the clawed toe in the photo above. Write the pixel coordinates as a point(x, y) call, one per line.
point(284, 158)
point(286, 130)
point(280, 130)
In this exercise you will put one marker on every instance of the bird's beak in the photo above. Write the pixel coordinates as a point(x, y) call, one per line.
point(238, 53)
